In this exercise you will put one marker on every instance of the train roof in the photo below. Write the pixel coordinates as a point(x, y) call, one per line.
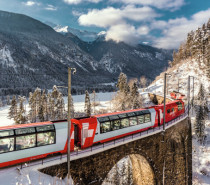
point(120, 112)
point(25, 125)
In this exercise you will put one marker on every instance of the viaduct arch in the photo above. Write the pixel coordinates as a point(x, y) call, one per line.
point(169, 155)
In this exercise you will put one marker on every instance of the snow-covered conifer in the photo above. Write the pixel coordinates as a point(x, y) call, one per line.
point(21, 117)
point(13, 108)
point(87, 104)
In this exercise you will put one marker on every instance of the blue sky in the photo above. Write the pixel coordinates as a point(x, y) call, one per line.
point(160, 23)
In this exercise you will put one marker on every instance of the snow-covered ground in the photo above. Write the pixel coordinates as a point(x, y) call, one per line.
point(201, 153)
point(201, 157)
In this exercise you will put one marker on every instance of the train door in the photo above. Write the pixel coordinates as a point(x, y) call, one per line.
point(160, 117)
point(84, 133)
point(76, 134)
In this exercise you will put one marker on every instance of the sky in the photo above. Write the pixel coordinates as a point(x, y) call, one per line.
point(159, 23)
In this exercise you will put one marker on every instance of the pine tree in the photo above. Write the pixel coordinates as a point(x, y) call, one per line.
point(201, 113)
point(87, 104)
point(122, 82)
point(129, 174)
point(45, 105)
point(13, 108)
point(21, 113)
point(41, 113)
point(60, 107)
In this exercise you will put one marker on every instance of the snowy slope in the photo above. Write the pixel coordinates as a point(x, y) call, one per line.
point(181, 71)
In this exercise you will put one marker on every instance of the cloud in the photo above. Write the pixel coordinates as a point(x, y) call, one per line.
point(123, 32)
point(161, 4)
point(115, 20)
point(80, 1)
point(76, 13)
point(111, 16)
point(175, 30)
point(30, 3)
point(51, 7)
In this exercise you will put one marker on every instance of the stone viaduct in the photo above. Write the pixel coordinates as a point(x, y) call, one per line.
point(169, 156)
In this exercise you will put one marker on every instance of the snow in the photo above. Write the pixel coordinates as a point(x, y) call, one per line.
point(61, 29)
point(201, 157)
point(6, 57)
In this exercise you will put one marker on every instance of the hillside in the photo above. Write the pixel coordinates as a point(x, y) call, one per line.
point(191, 59)
point(32, 54)
point(134, 61)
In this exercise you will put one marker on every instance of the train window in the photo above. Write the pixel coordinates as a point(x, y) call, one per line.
point(27, 141)
point(147, 118)
point(122, 115)
point(45, 128)
point(141, 119)
point(133, 121)
point(168, 111)
point(139, 113)
point(6, 144)
point(45, 138)
point(172, 110)
point(115, 125)
point(131, 114)
point(6, 133)
point(25, 130)
point(114, 117)
point(124, 123)
point(179, 105)
point(103, 119)
point(105, 127)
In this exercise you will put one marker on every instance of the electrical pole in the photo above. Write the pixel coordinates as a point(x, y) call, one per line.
point(164, 110)
point(178, 84)
point(69, 120)
point(188, 96)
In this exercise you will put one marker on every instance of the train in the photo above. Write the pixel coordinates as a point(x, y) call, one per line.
point(27, 142)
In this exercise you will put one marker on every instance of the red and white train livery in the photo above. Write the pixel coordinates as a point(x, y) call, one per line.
point(22, 143)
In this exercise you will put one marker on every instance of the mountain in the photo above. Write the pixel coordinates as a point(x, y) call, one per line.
point(134, 61)
point(84, 35)
point(32, 54)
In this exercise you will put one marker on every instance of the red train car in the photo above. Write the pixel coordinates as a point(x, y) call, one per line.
point(177, 95)
point(22, 143)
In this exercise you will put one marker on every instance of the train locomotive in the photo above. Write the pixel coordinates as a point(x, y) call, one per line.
point(27, 142)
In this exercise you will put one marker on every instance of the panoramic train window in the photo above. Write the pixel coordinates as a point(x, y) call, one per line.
point(6, 145)
point(45, 138)
point(122, 115)
point(133, 121)
point(103, 119)
point(141, 119)
point(26, 141)
point(25, 130)
point(45, 128)
point(130, 114)
point(124, 123)
point(6, 133)
point(147, 118)
point(105, 127)
point(115, 125)
point(113, 117)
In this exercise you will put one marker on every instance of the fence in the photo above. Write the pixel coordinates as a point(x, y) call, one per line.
point(105, 146)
